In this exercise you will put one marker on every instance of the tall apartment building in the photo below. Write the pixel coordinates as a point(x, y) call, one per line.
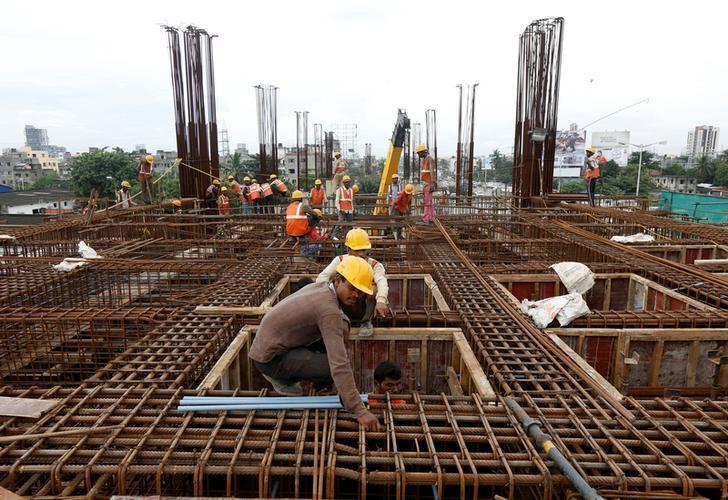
point(702, 141)
point(36, 138)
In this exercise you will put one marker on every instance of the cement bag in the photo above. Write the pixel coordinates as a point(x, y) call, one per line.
point(576, 307)
point(635, 238)
point(65, 265)
point(86, 251)
point(575, 276)
point(544, 311)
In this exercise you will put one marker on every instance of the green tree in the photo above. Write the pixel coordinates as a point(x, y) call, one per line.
point(103, 171)
point(626, 182)
point(648, 159)
point(573, 187)
point(674, 169)
point(47, 181)
point(609, 170)
point(721, 174)
point(705, 169)
point(502, 167)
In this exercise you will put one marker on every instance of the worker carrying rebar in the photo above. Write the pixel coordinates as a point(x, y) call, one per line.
point(223, 202)
point(302, 338)
point(317, 196)
point(123, 196)
point(428, 176)
point(211, 194)
point(145, 177)
point(299, 216)
point(358, 245)
point(339, 167)
point(591, 173)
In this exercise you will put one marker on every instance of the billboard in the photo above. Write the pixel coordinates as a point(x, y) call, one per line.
point(614, 145)
point(570, 146)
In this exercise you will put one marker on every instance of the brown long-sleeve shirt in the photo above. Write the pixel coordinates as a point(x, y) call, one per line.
point(300, 319)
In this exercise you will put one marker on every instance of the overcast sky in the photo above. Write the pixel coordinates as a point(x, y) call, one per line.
point(97, 73)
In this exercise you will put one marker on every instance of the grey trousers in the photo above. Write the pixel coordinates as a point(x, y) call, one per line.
point(299, 364)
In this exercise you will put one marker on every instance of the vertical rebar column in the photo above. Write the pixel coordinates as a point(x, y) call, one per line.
point(406, 167)
point(367, 158)
point(471, 151)
point(211, 106)
point(537, 99)
point(298, 149)
point(318, 139)
point(459, 146)
point(304, 141)
point(416, 141)
point(267, 110)
point(329, 154)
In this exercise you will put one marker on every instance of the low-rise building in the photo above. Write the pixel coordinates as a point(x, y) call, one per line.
point(676, 183)
point(48, 202)
point(19, 169)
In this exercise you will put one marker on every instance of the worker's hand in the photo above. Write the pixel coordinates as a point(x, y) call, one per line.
point(381, 310)
point(369, 421)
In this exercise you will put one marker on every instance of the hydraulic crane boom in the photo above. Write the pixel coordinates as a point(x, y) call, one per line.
point(392, 162)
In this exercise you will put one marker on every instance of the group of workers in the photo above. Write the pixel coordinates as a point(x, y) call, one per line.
point(249, 197)
point(303, 337)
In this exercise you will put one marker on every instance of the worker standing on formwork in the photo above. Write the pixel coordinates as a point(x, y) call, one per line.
point(256, 196)
point(591, 174)
point(211, 194)
point(297, 216)
point(123, 196)
point(428, 175)
point(401, 206)
point(245, 196)
point(357, 241)
point(344, 200)
point(223, 202)
point(317, 196)
point(339, 167)
point(392, 191)
point(145, 177)
point(304, 338)
point(280, 190)
point(266, 193)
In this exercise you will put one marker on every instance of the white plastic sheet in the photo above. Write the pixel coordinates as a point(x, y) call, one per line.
point(575, 276)
point(563, 308)
point(69, 264)
point(635, 238)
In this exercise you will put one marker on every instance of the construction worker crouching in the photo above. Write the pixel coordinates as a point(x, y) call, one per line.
point(123, 196)
point(211, 194)
point(297, 216)
point(358, 244)
point(303, 338)
point(145, 177)
point(223, 202)
point(317, 196)
point(428, 175)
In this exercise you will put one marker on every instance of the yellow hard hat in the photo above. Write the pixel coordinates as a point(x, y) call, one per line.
point(272, 176)
point(355, 188)
point(230, 178)
point(216, 182)
point(395, 176)
point(318, 212)
point(176, 203)
point(223, 189)
point(591, 149)
point(337, 153)
point(317, 182)
point(358, 239)
point(246, 179)
point(358, 272)
point(346, 178)
point(125, 184)
point(297, 195)
point(150, 159)
point(421, 148)
point(409, 188)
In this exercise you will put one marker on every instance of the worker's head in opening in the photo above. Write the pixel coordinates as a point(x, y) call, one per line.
point(590, 151)
point(215, 182)
point(149, 159)
point(409, 189)
point(297, 195)
point(125, 185)
point(421, 151)
point(337, 154)
point(387, 378)
point(353, 280)
point(317, 184)
point(346, 180)
point(246, 180)
point(357, 241)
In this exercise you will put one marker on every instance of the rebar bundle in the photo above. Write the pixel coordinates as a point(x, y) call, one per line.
point(537, 105)
point(266, 100)
point(193, 91)
point(466, 140)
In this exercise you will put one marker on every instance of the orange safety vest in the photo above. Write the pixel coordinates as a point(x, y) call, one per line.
point(267, 191)
point(317, 196)
point(223, 205)
point(402, 202)
point(296, 220)
point(279, 185)
point(340, 166)
point(426, 172)
point(371, 261)
point(254, 191)
point(346, 199)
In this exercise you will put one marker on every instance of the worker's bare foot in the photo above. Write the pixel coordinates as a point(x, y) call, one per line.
point(283, 388)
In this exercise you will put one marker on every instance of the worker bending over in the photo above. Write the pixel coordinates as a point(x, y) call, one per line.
point(267, 198)
point(256, 195)
point(357, 242)
point(123, 196)
point(428, 175)
point(283, 349)
point(280, 190)
point(297, 216)
point(145, 177)
point(317, 196)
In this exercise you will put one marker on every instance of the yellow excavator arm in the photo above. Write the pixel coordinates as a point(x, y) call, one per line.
point(392, 162)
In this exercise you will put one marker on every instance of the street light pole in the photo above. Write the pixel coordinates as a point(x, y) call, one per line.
point(639, 171)
point(639, 167)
